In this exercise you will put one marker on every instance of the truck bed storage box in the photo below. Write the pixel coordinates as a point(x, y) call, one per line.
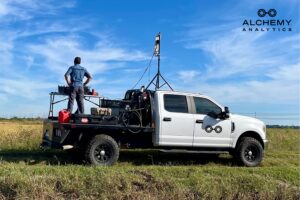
point(101, 111)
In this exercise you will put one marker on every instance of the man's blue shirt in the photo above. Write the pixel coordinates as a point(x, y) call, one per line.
point(77, 74)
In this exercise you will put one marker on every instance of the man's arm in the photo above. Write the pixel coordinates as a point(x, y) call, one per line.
point(67, 80)
point(66, 76)
point(88, 77)
point(87, 81)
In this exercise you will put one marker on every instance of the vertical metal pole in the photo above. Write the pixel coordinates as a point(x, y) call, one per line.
point(158, 64)
point(158, 73)
point(53, 98)
point(50, 106)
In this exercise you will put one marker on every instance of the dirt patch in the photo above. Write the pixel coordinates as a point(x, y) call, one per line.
point(150, 183)
point(7, 191)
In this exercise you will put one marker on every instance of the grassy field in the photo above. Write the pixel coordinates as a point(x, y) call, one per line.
point(29, 173)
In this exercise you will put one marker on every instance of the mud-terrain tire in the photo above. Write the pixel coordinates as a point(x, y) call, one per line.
point(249, 152)
point(102, 150)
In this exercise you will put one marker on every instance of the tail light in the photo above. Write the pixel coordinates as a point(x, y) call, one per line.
point(145, 96)
point(84, 120)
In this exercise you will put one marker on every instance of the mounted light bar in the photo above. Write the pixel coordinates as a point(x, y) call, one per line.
point(157, 45)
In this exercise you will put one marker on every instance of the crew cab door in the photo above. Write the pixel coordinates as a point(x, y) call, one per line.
point(209, 131)
point(176, 122)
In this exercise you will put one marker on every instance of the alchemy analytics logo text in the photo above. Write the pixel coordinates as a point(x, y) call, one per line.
point(268, 20)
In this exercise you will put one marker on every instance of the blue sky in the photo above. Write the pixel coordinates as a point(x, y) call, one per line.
point(203, 50)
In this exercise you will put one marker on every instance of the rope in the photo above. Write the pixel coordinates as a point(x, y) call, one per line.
point(144, 71)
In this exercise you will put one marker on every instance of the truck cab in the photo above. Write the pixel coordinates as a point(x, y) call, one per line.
point(199, 122)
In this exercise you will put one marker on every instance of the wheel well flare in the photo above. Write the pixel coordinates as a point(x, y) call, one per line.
point(253, 135)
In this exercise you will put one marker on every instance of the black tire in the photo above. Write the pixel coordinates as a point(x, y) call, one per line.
point(102, 150)
point(249, 152)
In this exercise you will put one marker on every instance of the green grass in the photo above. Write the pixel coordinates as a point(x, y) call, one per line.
point(28, 173)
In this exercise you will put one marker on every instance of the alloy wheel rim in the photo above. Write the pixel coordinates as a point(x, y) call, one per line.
point(251, 153)
point(103, 153)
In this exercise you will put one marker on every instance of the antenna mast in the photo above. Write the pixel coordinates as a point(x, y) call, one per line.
point(155, 80)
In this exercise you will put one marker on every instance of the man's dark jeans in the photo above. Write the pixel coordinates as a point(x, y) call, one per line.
point(78, 93)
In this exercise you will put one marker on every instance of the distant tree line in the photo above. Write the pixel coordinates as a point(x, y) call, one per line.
point(21, 119)
point(283, 126)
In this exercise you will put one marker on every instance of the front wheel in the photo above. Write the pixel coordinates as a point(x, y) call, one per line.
point(249, 152)
point(102, 150)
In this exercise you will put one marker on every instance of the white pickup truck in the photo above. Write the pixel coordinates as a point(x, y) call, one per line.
point(165, 120)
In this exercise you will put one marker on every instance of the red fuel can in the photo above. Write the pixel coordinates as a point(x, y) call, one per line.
point(63, 116)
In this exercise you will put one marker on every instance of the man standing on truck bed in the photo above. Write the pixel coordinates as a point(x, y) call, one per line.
point(77, 73)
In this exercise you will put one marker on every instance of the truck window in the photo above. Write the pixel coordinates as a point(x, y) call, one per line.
point(205, 106)
point(175, 103)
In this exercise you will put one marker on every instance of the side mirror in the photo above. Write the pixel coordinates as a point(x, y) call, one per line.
point(222, 115)
point(226, 110)
point(225, 114)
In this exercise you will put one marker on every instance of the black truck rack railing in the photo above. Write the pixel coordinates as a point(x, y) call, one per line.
point(53, 101)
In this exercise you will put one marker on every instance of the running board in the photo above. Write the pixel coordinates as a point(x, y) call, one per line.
point(191, 151)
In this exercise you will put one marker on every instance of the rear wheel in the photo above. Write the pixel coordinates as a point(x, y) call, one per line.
point(102, 150)
point(249, 152)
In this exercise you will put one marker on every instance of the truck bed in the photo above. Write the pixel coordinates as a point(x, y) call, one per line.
point(56, 134)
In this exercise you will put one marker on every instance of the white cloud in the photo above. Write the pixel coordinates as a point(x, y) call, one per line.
point(27, 9)
point(60, 52)
point(286, 73)
point(24, 87)
point(246, 67)
point(52, 48)
point(29, 60)
point(12, 48)
point(188, 75)
point(239, 52)
point(4, 9)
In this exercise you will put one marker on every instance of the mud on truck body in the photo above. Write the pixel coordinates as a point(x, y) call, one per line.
point(165, 120)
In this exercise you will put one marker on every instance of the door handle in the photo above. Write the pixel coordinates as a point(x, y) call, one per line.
point(199, 121)
point(167, 119)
